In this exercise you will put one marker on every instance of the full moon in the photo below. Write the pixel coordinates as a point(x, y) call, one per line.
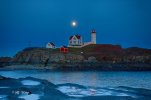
point(74, 23)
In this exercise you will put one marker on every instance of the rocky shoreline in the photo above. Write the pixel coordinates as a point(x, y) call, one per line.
point(83, 67)
point(93, 57)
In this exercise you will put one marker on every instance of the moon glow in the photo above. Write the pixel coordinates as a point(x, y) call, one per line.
point(74, 23)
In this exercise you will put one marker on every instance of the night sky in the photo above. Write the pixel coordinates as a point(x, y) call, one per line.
point(33, 23)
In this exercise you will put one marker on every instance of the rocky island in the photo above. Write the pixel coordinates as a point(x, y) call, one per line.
point(91, 57)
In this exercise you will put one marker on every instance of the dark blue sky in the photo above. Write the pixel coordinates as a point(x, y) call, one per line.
point(124, 22)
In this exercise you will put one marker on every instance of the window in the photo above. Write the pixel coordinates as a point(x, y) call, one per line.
point(74, 42)
point(74, 38)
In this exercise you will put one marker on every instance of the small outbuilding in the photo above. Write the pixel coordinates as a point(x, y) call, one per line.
point(50, 45)
point(64, 49)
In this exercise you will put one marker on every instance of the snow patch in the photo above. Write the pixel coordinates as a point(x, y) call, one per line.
point(30, 97)
point(77, 92)
point(3, 87)
point(3, 96)
point(80, 92)
point(30, 82)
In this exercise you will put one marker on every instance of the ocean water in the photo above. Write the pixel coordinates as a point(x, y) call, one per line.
point(89, 83)
point(88, 78)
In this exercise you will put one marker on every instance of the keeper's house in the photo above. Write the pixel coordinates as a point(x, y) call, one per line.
point(75, 41)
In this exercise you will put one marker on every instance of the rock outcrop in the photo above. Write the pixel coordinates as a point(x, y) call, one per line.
point(92, 56)
point(5, 61)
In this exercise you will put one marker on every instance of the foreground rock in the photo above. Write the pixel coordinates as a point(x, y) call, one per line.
point(35, 89)
point(29, 89)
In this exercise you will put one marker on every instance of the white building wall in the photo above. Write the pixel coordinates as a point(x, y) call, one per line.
point(48, 45)
point(93, 38)
point(75, 41)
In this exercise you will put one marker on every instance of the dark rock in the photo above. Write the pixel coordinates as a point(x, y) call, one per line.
point(96, 56)
point(5, 61)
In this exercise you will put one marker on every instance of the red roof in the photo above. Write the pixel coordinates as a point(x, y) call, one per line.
point(77, 36)
point(52, 43)
point(70, 37)
point(64, 46)
point(64, 49)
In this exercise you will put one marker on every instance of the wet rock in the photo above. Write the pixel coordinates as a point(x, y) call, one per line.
point(5, 61)
point(92, 59)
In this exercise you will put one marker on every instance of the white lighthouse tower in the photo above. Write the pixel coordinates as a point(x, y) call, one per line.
point(93, 36)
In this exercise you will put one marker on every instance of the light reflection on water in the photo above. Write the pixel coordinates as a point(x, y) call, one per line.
point(88, 78)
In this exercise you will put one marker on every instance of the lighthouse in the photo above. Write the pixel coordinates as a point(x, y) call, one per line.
point(93, 36)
